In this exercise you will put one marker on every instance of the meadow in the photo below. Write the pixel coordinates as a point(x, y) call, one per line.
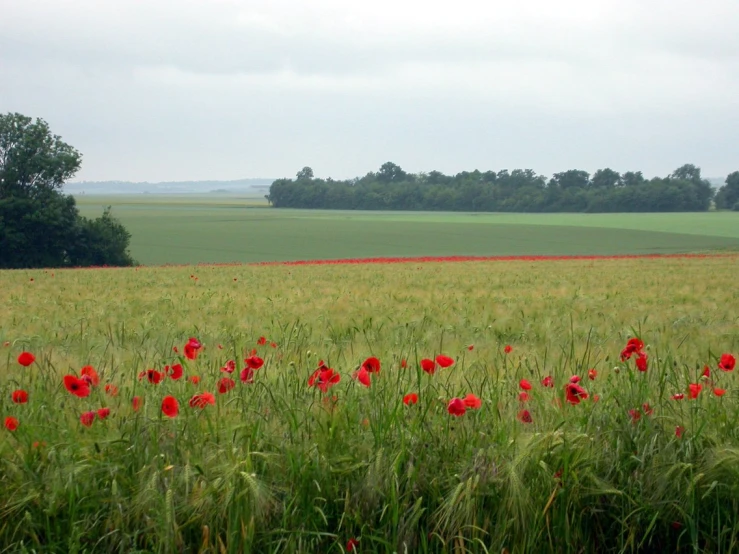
point(190, 229)
point(640, 455)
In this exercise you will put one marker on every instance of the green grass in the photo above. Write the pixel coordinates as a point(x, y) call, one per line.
point(218, 229)
point(276, 466)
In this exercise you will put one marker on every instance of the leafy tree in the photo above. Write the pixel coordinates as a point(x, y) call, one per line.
point(305, 174)
point(389, 173)
point(728, 196)
point(572, 179)
point(39, 225)
point(605, 179)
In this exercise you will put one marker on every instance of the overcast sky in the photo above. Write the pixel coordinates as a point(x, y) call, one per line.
point(163, 90)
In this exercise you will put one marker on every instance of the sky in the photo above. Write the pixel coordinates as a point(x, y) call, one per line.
point(165, 90)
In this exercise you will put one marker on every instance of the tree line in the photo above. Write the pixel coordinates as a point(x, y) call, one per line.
point(39, 225)
point(520, 190)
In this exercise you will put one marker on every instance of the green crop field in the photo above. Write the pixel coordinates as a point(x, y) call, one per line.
point(489, 458)
point(189, 229)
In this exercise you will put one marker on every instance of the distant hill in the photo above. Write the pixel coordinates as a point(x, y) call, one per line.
point(170, 187)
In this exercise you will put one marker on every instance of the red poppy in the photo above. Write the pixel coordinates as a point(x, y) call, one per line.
point(679, 431)
point(202, 400)
point(194, 379)
point(262, 341)
point(230, 367)
point(678, 396)
point(592, 374)
point(89, 371)
point(648, 410)
point(633, 346)
point(254, 362)
point(403, 363)
point(175, 350)
point(220, 346)
point(273, 344)
point(175, 372)
point(225, 385)
point(575, 393)
point(111, 390)
point(456, 407)
point(525, 416)
point(411, 398)
point(170, 406)
point(87, 418)
point(694, 389)
point(429, 366)
point(11, 423)
point(641, 361)
point(247, 375)
point(26, 359)
point(524, 384)
point(76, 386)
point(473, 402)
point(575, 379)
point(444, 361)
point(706, 372)
point(727, 362)
point(136, 403)
point(508, 349)
point(719, 392)
point(471, 347)
point(635, 415)
point(352, 544)
point(324, 379)
point(524, 396)
point(372, 365)
point(192, 348)
point(103, 413)
point(363, 376)
point(154, 376)
point(19, 397)
point(548, 381)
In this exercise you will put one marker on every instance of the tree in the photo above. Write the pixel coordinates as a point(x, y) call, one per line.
point(605, 178)
point(572, 179)
point(39, 225)
point(687, 172)
point(391, 173)
point(305, 174)
point(727, 197)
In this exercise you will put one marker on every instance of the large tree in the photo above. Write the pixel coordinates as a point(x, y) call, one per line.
point(39, 225)
point(727, 197)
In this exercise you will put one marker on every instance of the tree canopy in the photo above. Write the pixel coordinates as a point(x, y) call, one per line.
point(519, 190)
point(39, 225)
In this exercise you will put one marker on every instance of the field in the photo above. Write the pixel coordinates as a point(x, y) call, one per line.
point(277, 465)
point(224, 229)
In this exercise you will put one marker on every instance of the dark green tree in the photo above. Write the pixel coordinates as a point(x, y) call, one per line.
point(305, 174)
point(727, 197)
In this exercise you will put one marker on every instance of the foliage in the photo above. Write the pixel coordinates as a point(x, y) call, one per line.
point(40, 226)
point(279, 466)
point(517, 191)
point(727, 196)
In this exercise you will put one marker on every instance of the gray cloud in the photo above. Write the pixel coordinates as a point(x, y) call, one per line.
point(193, 89)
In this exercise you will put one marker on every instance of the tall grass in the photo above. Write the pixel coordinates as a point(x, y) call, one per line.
point(277, 466)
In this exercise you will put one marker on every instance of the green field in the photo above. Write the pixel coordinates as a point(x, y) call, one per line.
point(189, 229)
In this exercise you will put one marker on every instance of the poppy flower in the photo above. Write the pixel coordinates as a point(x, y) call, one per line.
point(372, 365)
point(254, 362)
point(225, 385)
point(363, 376)
point(202, 400)
point(154, 376)
point(592, 374)
point(575, 379)
point(647, 409)
point(706, 372)
point(194, 379)
point(719, 392)
point(247, 375)
point(444, 361)
point(192, 348)
point(679, 431)
point(635, 415)
point(87, 418)
point(524, 396)
point(508, 349)
point(641, 361)
point(262, 341)
point(694, 390)
point(473, 402)
point(411, 398)
point(230, 367)
point(175, 372)
point(575, 393)
point(92, 375)
point(456, 407)
point(525, 416)
point(273, 344)
point(26, 359)
point(633, 346)
point(170, 406)
point(524, 384)
point(76, 386)
point(175, 350)
point(111, 390)
point(103, 413)
point(471, 347)
point(136, 403)
point(11, 423)
point(352, 544)
point(19, 397)
point(727, 362)
point(403, 363)
point(548, 381)
point(429, 366)
point(220, 346)
point(324, 379)
point(678, 396)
